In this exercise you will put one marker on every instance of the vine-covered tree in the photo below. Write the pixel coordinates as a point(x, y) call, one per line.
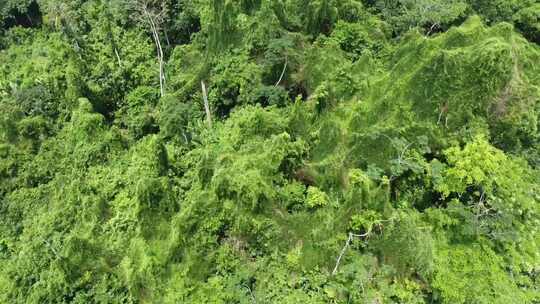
point(269, 151)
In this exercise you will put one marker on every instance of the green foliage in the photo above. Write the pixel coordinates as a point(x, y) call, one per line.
point(427, 14)
point(349, 152)
point(137, 112)
point(359, 39)
point(475, 274)
point(499, 10)
point(407, 245)
point(477, 164)
point(33, 80)
point(316, 198)
point(233, 83)
point(18, 12)
point(528, 21)
point(499, 188)
point(365, 222)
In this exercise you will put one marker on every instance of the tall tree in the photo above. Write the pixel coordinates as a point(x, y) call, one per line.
point(152, 14)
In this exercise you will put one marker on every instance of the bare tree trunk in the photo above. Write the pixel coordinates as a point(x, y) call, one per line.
point(153, 13)
point(344, 249)
point(283, 71)
point(118, 57)
point(206, 105)
point(157, 41)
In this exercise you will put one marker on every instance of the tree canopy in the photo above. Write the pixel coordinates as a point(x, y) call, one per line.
point(269, 151)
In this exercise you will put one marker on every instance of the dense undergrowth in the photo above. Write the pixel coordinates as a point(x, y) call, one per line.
point(355, 151)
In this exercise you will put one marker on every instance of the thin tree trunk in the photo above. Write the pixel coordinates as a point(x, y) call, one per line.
point(282, 72)
point(118, 57)
point(344, 249)
point(157, 41)
point(206, 105)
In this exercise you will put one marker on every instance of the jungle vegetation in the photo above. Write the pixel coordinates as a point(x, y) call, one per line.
point(270, 151)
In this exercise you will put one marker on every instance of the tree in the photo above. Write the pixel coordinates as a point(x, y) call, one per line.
point(428, 14)
point(152, 13)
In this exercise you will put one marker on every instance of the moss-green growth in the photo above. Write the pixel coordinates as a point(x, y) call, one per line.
point(349, 151)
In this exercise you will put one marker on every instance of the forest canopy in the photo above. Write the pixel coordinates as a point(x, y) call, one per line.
point(270, 151)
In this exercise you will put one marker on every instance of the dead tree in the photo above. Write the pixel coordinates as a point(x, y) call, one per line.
point(153, 15)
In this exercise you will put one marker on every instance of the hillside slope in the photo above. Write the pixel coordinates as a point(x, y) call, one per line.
point(355, 152)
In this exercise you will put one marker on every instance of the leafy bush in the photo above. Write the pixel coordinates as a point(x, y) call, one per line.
point(316, 198)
